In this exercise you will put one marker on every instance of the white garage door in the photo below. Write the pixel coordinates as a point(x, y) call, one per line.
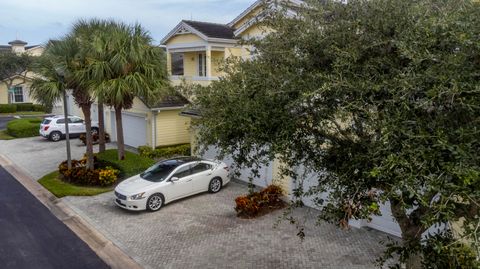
point(94, 111)
point(385, 222)
point(134, 129)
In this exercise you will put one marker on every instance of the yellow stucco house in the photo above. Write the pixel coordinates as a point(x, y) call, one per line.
point(20, 83)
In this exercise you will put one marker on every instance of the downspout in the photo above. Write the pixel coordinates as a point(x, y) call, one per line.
point(154, 129)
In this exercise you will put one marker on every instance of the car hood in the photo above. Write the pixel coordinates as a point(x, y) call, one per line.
point(134, 185)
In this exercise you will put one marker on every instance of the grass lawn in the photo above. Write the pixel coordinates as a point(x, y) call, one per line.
point(5, 136)
point(132, 165)
point(61, 189)
point(24, 113)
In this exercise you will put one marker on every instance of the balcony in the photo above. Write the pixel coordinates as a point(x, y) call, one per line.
point(199, 65)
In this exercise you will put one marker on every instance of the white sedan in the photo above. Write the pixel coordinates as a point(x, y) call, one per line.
point(170, 180)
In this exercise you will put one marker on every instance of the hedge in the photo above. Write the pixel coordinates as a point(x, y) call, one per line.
point(24, 107)
point(132, 165)
point(11, 108)
point(24, 127)
point(165, 151)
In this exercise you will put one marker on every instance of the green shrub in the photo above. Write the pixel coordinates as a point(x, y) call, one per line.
point(25, 107)
point(24, 127)
point(79, 175)
point(165, 151)
point(39, 108)
point(132, 165)
point(10, 108)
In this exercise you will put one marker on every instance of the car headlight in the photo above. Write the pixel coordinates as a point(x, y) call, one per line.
point(137, 196)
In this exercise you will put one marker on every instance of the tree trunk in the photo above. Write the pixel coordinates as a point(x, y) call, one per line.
point(88, 129)
point(410, 233)
point(101, 128)
point(120, 141)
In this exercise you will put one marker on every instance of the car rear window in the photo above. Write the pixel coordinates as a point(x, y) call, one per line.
point(45, 121)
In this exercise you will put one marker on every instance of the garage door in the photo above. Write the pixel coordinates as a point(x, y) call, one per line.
point(134, 129)
point(385, 222)
point(94, 112)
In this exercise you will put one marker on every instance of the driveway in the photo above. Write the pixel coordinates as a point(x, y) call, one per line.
point(32, 237)
point(39, 156)
point(204, 232)
point(4, 121)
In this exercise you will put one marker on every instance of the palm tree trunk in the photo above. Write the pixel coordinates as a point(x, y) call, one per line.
point(88, 129)
point(101, 128)
point(120, 141)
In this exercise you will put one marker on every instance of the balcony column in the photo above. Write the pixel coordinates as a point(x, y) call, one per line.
point(208, 60)
point(169, 62)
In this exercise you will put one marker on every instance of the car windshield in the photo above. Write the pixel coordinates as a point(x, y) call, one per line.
point(45, 121)
point(159, 171)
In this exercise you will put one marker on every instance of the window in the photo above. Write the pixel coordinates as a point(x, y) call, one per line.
point(18, 94)
point(177, 64)
point(46, 121)
point(158, 172)
point(202, 65)
point(200, 167)
point(76, 120)
point(62, 121)
point(182, 172)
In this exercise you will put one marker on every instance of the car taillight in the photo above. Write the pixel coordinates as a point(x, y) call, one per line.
point(46, 128)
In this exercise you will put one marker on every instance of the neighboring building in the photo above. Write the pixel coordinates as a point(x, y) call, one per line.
point(20, 83)
point(195, 51)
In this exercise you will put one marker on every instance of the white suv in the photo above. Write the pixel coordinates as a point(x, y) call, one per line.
point(53, 128)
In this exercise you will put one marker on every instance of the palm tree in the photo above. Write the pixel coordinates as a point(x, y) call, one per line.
point(125, 65)
point(65, 54)
point(86, 33)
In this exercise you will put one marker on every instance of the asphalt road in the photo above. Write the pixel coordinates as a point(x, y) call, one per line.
point(3, 122)
point(32, 237)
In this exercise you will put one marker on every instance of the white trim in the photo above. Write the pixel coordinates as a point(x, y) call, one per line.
point(167, 108)
point(154, 129)
point(135, 114)
point(245, 13)
point(180, 26)
point(190, 49)
point(195, 46)
point(183, 25)
point(190, 78)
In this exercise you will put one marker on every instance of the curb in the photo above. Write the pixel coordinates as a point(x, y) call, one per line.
point(104, 248)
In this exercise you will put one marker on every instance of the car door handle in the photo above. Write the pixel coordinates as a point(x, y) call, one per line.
point(209, 174)
point(188, 180)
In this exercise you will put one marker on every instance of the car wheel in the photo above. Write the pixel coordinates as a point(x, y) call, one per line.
point(215, 185)
point(155, 202)
point(55, 136)
point(94, 131)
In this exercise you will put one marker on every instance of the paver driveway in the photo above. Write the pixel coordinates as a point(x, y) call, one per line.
point(39, 156)
point(203, 232)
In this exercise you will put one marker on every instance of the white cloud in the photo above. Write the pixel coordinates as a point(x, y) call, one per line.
point(36, 21)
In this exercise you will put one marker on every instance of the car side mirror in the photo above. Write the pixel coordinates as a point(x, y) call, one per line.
point(173, 179)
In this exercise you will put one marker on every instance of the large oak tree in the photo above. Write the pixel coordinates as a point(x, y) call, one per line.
point(379, 98)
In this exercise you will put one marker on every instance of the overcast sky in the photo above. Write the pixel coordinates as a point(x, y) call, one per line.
point(36, 21)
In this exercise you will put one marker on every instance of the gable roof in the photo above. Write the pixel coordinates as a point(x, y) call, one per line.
point(206, 30)
point(213, 30)
point(245, 13)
